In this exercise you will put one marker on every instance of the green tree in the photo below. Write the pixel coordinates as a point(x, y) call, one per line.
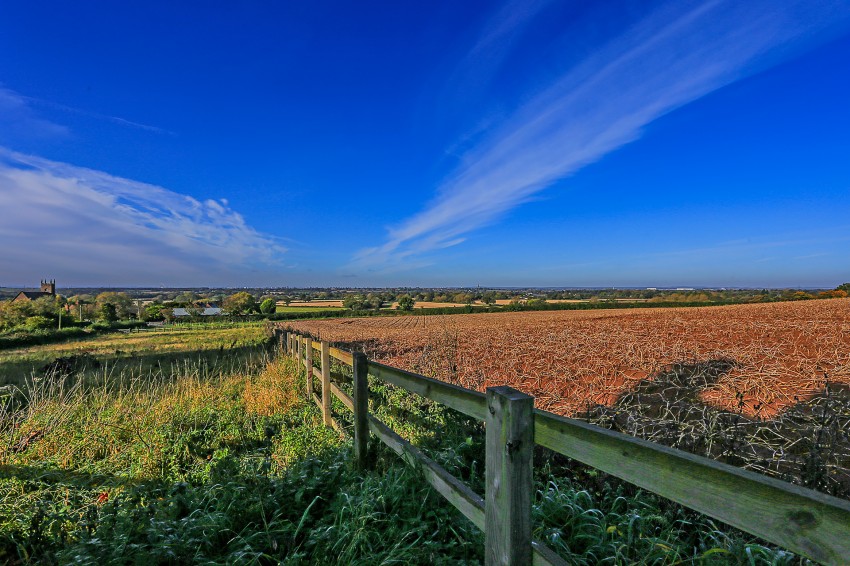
point(268, 306)
point(844, 287)
point(122, 303)
point(242, 302)
point(38, 322)
point(373, 301)
point(153, 311)
point(186, 298)
point(107, 312)
point(354, 302)
point(405, 303)
point(13, 314)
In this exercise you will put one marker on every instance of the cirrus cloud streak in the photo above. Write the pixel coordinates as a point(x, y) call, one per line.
point(675, 55)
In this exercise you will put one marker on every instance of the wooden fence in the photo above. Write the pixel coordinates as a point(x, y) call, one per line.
point(804, 521)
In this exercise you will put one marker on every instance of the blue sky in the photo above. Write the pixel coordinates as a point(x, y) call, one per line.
point(532, 143)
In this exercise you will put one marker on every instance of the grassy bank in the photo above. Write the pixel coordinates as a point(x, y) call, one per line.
point(97, 358)
point(233, 469)
point(188, 465)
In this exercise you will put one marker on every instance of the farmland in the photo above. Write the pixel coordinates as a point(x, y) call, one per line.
point(777, 353)
point(152, 440)
point(764, 386)
point(222, 463)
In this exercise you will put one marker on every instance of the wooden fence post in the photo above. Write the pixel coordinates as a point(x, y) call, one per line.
point(361, 408)
point(326, 383)
point(508, 477)
point(284, 341)
point(308, 363)
point(299, 345)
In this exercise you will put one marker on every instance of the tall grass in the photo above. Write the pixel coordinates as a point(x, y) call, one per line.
point(234, 466)
point(135, 355)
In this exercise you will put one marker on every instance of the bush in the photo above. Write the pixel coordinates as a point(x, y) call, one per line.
point(406, 303)
point(268, 306)
point(38, 323)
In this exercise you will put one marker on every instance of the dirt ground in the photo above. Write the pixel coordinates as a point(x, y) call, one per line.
point(773, 355)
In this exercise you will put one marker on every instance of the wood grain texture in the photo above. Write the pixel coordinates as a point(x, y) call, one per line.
point(342, 396)
point(342, 356)
point(542, 555)
point(469, 503)
point(804, 521)
point(468, 402)
point(326, 383)
point(361, 409)
point(308, 363)
point(508, 475)
point(299, 345)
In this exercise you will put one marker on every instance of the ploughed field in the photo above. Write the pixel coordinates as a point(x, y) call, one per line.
point(766, 357)
point(763, 386)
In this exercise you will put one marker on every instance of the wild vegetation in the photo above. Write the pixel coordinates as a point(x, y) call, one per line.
point(227, 462)
point(140, 354)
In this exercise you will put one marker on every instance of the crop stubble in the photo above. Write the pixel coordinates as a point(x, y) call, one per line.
point(777, 354)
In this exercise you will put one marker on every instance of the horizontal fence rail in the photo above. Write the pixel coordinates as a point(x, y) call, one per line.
point(813, 524)
point(466, 401)
point(807, 522)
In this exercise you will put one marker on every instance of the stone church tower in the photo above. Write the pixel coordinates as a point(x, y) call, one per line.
point(48, 287)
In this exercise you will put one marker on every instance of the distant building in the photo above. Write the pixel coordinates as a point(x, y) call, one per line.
point(48, 289)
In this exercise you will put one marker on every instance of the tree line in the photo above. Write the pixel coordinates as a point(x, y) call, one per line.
point(111, 306)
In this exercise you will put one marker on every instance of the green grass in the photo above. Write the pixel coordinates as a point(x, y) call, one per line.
point(234, 466)
point(308, 309)
point(138, 353)
point(231, 469)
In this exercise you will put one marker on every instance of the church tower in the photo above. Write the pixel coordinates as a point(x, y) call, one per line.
point(48, 287)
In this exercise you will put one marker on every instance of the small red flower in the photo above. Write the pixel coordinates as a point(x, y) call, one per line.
point(102, 498)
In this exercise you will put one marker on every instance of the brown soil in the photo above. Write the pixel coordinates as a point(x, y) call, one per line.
point(778, 353)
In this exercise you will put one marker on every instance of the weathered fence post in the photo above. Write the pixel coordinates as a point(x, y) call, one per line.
point(326, 383)
point(508, 476)
point(299, 345)
point(284, 342)
point(361, 408)
point(308, 362)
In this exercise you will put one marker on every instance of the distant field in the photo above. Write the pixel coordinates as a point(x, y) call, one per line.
point(140, 350)
point(311, 304)
point(430, 305)
point(777, 353)
point(307, 309)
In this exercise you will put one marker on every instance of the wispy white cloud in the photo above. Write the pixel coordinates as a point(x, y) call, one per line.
point(97, 115)
point(676, 54)
point(18, 120)
point(16, 111)
point(88, 226)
